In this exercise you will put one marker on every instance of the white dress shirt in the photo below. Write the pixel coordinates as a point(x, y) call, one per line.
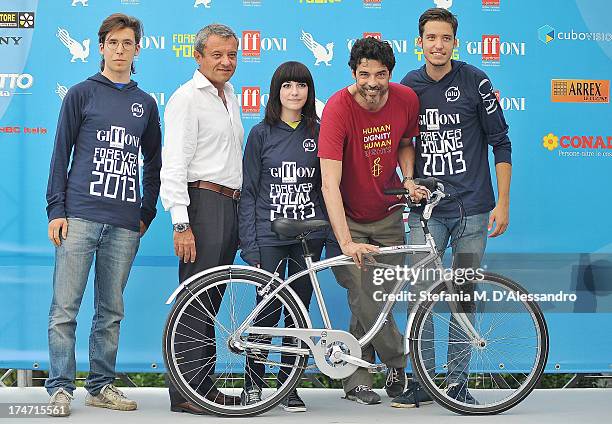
point(202, 141)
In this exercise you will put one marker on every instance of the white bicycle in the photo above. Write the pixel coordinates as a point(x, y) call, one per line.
point(500, 347)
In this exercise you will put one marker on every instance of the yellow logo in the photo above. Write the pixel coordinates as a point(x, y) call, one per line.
point(377, 168)
point(551, 141)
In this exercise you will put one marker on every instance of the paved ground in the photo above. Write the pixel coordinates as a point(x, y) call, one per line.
point(582, 406)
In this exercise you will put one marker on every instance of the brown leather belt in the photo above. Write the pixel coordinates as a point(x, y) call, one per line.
point(217, 188)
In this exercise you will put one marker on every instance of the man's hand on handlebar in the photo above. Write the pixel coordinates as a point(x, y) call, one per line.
point(416, 192)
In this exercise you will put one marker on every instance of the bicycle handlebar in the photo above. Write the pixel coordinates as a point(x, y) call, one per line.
point(430, 184)
point(396, 191)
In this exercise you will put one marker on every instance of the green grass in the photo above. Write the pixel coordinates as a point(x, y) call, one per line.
point(549, 381)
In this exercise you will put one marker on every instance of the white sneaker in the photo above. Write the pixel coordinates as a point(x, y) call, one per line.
point(59, 404)
point(112, 398)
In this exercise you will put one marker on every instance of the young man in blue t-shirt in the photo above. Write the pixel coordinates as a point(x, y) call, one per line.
point(459, 119)
point(97, 209)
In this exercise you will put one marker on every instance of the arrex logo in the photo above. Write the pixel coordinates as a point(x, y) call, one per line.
point(580, 91)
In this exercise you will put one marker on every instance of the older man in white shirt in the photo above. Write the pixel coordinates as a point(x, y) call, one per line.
point(200, 180)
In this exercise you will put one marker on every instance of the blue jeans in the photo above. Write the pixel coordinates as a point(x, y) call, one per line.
point(467, 253)
point(114, 249)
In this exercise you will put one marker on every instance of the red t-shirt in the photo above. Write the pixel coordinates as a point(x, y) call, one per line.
point(367, 144)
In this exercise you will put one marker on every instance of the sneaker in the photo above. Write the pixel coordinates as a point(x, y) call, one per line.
point(250, 396)
point(461, 393)
point(112, 398)
point(363, 394)
point(293, 403)
point(396, 382)
point(60, 403)
point(413, 397)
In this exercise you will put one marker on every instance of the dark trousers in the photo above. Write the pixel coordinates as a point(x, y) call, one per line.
point(214, 222)
point(270, 315)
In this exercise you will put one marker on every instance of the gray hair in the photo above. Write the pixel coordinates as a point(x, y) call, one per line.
point(220, 30)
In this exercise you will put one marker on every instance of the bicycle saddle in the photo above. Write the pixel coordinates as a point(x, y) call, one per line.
point(296, 228)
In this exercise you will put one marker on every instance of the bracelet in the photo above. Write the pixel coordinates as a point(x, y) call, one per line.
point(407, 179)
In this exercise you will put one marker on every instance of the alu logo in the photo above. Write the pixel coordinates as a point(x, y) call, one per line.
point(309, 145)
point(205, 3)
point(76, 49)
point(452, 94)
point(321, 54)
point(137, 110)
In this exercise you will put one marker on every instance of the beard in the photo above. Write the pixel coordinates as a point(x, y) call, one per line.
point(372, 98)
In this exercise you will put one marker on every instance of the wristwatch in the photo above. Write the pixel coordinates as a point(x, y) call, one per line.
point(407, 179)
point(181, 227)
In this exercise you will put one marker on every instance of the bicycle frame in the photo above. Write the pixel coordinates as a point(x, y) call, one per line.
point(432, 257)
point(311, 269)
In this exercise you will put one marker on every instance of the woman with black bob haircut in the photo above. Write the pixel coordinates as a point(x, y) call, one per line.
point(281, 179)
point(297, 72)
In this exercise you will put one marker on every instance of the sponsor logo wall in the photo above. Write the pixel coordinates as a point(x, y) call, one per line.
point(547, 68)
point(547, 73)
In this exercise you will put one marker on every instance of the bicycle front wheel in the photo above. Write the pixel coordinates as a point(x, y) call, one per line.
point(210, 371)
point(480, 375)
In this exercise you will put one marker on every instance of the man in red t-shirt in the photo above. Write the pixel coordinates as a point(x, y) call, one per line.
point(366, 132)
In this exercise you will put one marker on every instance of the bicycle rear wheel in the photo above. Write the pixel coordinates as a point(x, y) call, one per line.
point(498, 370)
point(193, 326)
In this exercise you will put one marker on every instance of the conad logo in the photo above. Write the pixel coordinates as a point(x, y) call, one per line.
point(551, 142)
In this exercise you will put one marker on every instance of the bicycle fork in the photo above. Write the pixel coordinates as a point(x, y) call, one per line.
point(461, 317)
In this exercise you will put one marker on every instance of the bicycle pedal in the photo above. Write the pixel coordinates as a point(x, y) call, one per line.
point(374, 369)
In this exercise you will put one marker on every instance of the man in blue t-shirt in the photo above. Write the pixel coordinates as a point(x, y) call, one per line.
point(97, 209)
point(459, 118)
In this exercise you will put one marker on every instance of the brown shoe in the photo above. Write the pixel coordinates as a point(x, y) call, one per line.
point(189, 408)
point(216, 396)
